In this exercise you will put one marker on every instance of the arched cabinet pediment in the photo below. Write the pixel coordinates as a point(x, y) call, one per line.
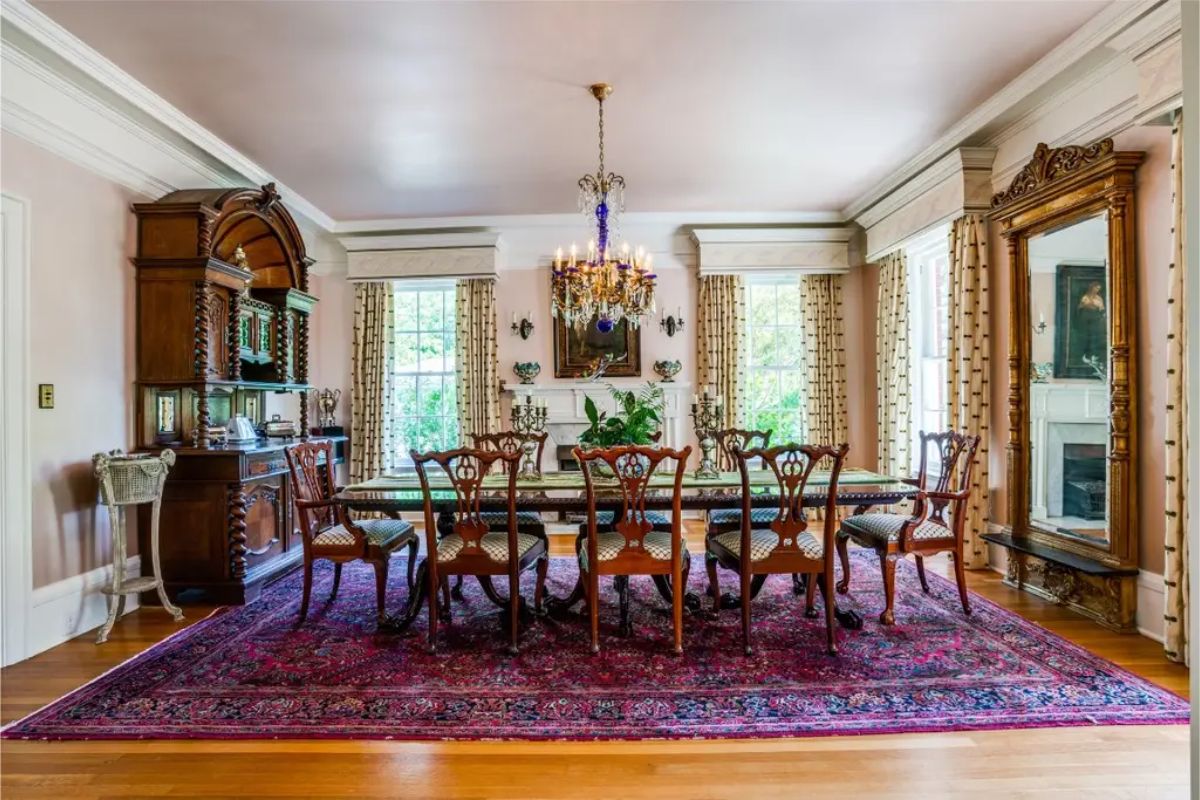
point(223, 309)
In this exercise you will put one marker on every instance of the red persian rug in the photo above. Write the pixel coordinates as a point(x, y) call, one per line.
point(250, 673)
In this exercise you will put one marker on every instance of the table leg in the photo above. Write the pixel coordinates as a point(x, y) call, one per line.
point(398, 623)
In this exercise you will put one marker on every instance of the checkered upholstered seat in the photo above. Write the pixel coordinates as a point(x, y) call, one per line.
point(499, 519)
point(609, 545)
point(495, 545)
point(884, 528)
point(379, 532)
point(733, 516)
point(656, 518)
point(764, 542)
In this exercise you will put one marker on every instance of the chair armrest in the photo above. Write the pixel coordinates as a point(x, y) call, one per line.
point(946, 495)
point(306, 504)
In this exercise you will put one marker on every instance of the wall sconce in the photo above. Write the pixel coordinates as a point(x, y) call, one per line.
point(672, 325)
point(1040, 327)
point(524, 328)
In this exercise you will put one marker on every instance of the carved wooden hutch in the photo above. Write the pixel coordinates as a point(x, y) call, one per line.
point(222, 320)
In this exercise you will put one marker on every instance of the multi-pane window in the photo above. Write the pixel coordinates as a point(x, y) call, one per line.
point(775, 378)
point(929, 320)
point(424, 416)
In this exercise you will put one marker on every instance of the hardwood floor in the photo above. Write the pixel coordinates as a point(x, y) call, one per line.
point(1109, 762)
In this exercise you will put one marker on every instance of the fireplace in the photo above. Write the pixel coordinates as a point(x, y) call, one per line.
point(1084, 474)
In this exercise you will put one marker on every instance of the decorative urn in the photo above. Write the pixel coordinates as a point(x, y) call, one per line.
point(527, 370)
point(667, 370)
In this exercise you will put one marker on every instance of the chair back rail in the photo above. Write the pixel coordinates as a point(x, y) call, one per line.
point(465, 468)
point(792, 465)
point(511, 442)
point(730, 438)
point(955, 458)
point(311, 474)
point(633, 467)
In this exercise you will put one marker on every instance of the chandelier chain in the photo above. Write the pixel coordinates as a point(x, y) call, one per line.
point(600, 174)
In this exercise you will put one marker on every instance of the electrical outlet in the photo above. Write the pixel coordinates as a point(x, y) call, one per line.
point(45, 395)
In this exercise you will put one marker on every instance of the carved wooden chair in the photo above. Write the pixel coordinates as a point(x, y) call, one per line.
point(527, 521)
point(329, 533)
point(730, 519)
point(633, 545)
point(513, 442)
point(784, 545)
point(927, 531)
point(472, 547)
point(658, 519)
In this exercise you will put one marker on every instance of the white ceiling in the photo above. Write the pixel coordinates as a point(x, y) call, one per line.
point(380, 110)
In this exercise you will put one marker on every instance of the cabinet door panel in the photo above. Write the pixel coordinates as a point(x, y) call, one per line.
point(264, 522)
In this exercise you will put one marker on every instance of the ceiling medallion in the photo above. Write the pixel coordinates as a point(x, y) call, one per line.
point(607, 283)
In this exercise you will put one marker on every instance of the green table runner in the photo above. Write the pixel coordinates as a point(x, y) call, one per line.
point(565, 481)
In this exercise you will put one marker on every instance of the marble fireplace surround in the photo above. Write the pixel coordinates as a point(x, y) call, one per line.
point(1062, 414)
point(565, 418)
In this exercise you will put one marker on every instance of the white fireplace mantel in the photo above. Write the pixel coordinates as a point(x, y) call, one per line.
point(565, 418)
point(1061, 413)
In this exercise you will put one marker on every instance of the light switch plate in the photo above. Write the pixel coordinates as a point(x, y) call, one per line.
point(45, 395)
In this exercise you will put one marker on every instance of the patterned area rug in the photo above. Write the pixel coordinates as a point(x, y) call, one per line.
point(250, 673)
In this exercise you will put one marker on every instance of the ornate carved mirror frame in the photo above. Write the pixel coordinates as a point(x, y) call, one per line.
point(1058, 187)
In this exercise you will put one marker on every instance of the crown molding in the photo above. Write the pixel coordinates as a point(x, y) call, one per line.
point(1094, 33)
point(679, 219)
point(148, 144)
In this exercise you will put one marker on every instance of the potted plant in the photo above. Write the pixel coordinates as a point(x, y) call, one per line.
point(637, 418)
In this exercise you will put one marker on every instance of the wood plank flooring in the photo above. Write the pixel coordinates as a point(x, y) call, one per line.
point(1109, 762)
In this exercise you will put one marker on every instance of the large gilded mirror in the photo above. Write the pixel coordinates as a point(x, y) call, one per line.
point(1068, 221)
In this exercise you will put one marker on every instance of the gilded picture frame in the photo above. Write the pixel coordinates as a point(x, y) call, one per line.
point(578, 350)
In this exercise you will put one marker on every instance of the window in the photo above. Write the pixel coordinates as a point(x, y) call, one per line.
point(929, 321)
point(775, 382)
point(424, 416)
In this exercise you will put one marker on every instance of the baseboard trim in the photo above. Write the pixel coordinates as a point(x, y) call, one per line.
point(62, 610)
point(1151, 597)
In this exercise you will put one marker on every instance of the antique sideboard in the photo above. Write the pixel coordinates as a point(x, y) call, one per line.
point(222, 323)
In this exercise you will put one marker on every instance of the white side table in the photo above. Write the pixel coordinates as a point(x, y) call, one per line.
point(129, 479)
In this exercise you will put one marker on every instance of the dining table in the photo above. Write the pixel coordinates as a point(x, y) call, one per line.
point(564, 492)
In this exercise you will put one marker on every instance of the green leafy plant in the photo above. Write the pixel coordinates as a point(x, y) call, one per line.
point(638, 417)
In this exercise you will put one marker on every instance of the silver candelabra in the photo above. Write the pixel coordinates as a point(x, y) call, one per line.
point(706, 418)
point(529, 417)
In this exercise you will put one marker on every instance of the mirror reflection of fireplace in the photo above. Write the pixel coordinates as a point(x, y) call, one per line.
point(1084, 483)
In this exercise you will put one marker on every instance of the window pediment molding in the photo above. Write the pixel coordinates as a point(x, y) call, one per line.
point(473, 254)
point(749, 250)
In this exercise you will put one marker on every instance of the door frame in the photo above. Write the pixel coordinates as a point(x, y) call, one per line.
point(16, 574)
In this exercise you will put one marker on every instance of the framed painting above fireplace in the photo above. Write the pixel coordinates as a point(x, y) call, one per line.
point(578, 350)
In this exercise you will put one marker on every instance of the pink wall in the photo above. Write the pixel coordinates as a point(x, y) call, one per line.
point(860, 299)
point(81, 340)
point(522, 290)
point(1153, 255)
point(332, 339)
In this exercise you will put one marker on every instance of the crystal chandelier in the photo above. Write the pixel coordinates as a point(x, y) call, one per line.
point(608, 284)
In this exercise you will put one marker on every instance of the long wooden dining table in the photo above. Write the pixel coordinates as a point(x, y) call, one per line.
point(564, 493)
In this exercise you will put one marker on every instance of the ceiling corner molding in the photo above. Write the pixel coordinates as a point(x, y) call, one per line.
point(55, 85)
point(745, 250)
point(423, 256)
point(1096, 32)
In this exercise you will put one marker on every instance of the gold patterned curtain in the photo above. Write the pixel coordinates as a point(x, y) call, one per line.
point(1176, 613)
point(967, 368)
point(371, 396)
point(721, 341)
point(476, 359)
point(825, 356)
point(893, 389)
